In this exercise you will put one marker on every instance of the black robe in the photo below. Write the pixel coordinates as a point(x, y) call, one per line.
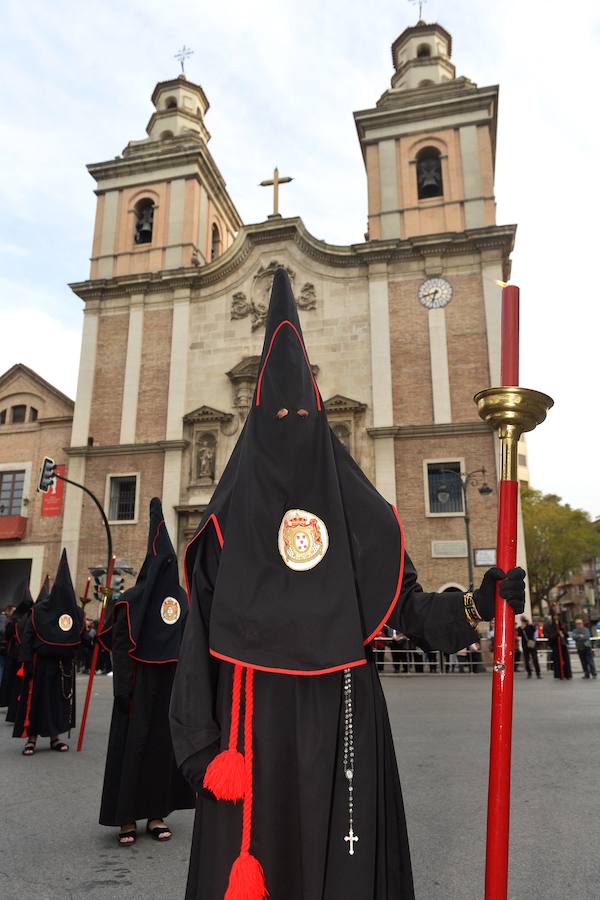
point(46, 705)
point(300, 814)
point(141, 779)
point(11, 665)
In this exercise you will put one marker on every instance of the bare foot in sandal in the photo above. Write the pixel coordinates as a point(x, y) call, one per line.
point(127, 835)
point(159, 830)
point(58, 745)
point(29, 748)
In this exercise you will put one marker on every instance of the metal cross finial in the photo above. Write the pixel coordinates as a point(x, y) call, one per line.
point(420, 4)
point(182, 55)
point(275, 182)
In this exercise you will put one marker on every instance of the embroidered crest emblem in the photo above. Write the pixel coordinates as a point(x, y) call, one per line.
point(170, 610)
point(65, 622)
point(302, 540)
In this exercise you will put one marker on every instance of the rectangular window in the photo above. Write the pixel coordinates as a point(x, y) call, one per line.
point(18, 414)
point(121, 507)
point(444, 488)
point(3, 417)
point(11, 493)
point(33, 414)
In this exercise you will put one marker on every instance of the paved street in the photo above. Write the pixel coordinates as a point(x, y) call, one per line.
point(52, 849)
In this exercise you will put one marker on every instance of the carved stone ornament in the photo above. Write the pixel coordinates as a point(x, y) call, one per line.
point(256, 307)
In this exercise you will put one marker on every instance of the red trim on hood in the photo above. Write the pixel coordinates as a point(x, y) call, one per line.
point(398, 586)
point(162, 522)
point(247, 665)
point(212, 518)
point(260, 377)
point(57, 643)
point(131, 651)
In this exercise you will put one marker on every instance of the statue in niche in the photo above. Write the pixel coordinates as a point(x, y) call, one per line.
point(342, 433)
point(206, 454)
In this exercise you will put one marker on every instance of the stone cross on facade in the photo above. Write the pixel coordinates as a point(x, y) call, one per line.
point(275, 182)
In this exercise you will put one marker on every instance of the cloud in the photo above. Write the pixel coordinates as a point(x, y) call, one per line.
point(283, 79)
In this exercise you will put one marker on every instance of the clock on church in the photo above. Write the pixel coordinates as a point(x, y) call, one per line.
point(435, 293)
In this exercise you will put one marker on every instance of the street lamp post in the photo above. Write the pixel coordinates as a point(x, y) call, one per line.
point(443, 496)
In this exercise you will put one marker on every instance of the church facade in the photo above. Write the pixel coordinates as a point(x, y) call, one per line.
point(403, 328)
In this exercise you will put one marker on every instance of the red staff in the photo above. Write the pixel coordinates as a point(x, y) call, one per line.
point(106, 592)
point(511, 411)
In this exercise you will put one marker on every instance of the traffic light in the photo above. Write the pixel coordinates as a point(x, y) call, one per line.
point(47, 475)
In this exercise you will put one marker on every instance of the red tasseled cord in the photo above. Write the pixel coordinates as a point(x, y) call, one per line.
point(225, 776)
point(247, 879)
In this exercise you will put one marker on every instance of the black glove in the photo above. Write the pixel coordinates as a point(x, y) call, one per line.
point(512, 589)
point(122, 703)
point(28, 668)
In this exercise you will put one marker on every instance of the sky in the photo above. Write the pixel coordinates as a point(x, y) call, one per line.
point(283, 79)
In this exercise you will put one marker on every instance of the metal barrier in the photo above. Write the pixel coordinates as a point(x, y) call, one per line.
point(394, 660)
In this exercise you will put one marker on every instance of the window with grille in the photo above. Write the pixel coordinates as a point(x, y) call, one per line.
point(444, 487)
point(121, 506)
point(11, 492)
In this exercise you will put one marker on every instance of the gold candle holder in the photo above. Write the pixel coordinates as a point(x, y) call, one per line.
point(511, 411)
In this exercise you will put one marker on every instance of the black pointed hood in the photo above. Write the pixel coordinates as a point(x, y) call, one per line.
point(44, 590)
point(58, 619)
point(312, 555)
point(23, 600)
point(157, 605)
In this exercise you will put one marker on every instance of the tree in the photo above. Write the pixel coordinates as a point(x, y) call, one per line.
point(558, 539)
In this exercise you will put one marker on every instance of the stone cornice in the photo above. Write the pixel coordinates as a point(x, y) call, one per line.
point(122, 449)
point(149, 158)
point(491, 237)
point(446, 429)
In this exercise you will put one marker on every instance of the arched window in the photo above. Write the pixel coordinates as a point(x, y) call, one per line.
point(215, 242)
point(165, 135)
point(426, 82)
point(423, 50)
point(144, 220)
point(171, 103)
point(429, 173)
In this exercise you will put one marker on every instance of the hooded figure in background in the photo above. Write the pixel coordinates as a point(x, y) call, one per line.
point(277, 713)
point(10, 688)
point(143, 630)
point(50, 639)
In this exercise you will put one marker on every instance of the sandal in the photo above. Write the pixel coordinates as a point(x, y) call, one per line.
point(29, 748)
point(127, 838)
point(59, 746)
point(158, 831)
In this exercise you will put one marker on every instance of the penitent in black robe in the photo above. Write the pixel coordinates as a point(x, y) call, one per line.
point(50, 639)
point(141, 780)
point(10, 688)
point(297, 564)
point(143, 631)
point(300, 815)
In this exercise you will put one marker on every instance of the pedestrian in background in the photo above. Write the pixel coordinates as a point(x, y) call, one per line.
point(582, 637)
point(527, 633)
point(555, 633)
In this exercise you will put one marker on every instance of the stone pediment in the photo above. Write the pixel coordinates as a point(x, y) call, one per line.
point(207, 415)
point(340, 404)
point(247, 368)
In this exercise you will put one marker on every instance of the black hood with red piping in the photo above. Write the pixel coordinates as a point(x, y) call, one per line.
point(312, 555)
point(157, 605)
point(58, 620)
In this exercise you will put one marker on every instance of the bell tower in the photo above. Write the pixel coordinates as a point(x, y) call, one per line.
point(429, 143)
point(163, 203)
